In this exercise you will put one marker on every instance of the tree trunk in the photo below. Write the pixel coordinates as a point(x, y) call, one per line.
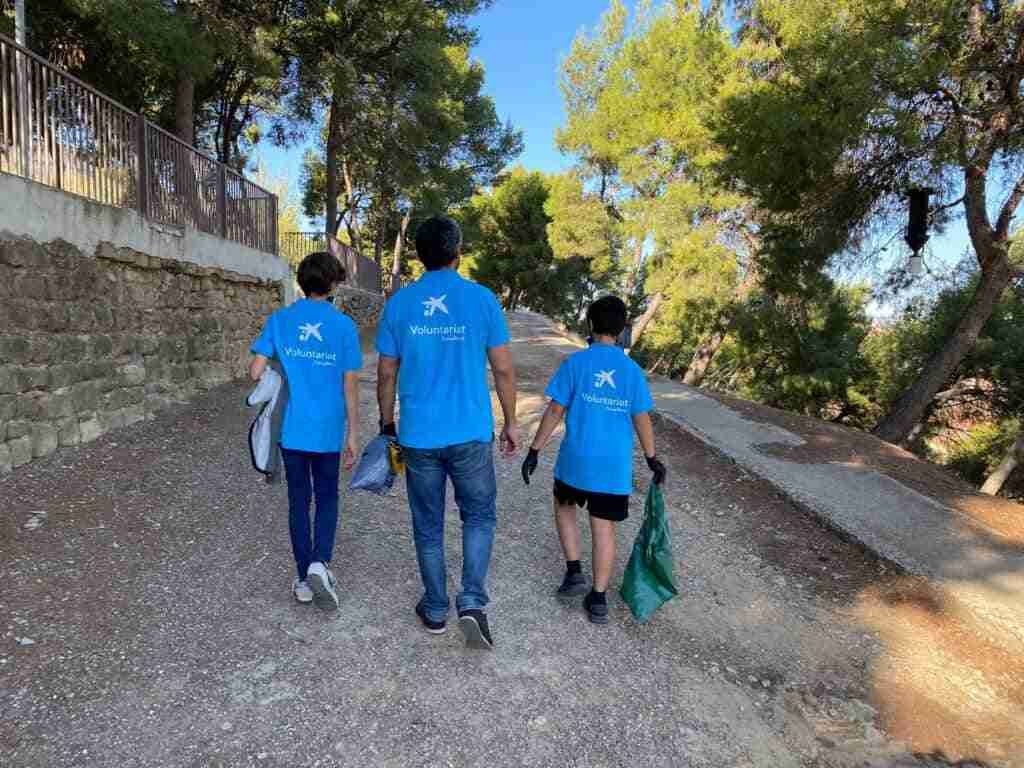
point(396, 260)
point(910, 408)
point(184, 94)
point(654, 368)
point(378, 244)
point(703, 356)
point(645, 319)
point(994, 483)
point(333, 166)
point(634, 272)
point(352, 215)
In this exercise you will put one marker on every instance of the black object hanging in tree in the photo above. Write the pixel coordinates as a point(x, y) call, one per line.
point(917, 226)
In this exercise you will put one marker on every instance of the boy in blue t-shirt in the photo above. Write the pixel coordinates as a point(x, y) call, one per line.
point(318, 348)
point(604, 397)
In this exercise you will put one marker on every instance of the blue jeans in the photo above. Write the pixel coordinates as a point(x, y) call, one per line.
point(471, 469)
point(309, 474)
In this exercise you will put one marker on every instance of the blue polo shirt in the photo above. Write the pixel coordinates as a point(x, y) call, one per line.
point(316, 345)
point(602, 389)
point(440, 328)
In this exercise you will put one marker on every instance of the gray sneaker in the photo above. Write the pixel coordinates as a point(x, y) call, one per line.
point(322, 582)
point(302, 592)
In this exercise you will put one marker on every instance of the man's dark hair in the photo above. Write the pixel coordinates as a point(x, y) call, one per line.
point(319, 272)
point(607, 316)
point(437, 242)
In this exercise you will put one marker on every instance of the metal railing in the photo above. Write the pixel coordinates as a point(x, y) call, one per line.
point(57, 131)
point(360, 271)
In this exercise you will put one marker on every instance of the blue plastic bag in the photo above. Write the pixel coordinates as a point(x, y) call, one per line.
point(374, 473)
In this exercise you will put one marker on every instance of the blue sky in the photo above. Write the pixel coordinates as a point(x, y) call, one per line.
point(521, 45)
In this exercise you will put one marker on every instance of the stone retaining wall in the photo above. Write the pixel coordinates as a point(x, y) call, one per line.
point(363, 307)
point(93, 342)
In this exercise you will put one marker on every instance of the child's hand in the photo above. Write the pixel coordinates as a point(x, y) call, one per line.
point(529, 465)
point(351, 452)
point(655, 465)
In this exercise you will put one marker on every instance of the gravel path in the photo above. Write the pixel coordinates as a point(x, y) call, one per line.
point(151, 573)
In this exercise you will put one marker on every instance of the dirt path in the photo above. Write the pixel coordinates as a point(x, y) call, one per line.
point(155, 589)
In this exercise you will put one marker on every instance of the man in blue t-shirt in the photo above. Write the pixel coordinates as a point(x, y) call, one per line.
point(318, 349)
point(435, 340)
point(604, 398)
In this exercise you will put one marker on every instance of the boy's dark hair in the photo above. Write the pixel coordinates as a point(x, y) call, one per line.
point(607, 316)
point(319, 272)
point(437, 242)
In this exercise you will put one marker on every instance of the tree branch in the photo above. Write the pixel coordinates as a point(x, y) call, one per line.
point(1010, 209)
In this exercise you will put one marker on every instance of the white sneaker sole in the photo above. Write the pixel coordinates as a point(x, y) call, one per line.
point(326, 599)
point(302, 600)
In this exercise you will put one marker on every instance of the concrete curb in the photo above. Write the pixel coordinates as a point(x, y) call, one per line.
point(797, 500)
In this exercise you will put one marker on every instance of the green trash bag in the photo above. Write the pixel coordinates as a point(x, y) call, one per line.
point(648, 582)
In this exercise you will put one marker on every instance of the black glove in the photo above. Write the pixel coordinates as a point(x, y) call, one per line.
point(389, 430)
point(655, 465)
point(529, 465)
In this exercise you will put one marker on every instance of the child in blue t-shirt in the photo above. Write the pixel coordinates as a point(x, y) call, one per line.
point(604, 398)
point(318, 348)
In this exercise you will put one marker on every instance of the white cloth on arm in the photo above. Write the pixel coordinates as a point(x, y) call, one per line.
point(261, 432)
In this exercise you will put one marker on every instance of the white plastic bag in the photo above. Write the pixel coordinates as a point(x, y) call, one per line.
point(374, 473)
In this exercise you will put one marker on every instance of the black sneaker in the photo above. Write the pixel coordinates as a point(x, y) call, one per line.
point(474, 626)
point(597, 612)
point(573, 585)
point(433, 627)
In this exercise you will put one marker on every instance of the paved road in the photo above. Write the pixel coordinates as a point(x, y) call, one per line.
point(154, 578)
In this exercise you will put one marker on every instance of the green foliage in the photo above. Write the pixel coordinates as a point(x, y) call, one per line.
point(506, 232)
point(129, 50)
point(979, 452)
point(841, 107)
point(644, 206)
point(898, 352)
point(803, 354)
point(135, 51)
point(581, 227)
point(413, 129)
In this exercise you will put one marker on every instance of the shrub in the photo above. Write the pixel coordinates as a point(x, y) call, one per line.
point(978, 453)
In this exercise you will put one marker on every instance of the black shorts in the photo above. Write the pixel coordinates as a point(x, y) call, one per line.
point(606, 506)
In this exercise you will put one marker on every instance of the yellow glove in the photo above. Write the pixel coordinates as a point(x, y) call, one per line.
point(395, 457)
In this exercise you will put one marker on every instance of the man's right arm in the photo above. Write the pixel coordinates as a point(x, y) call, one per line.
point(387, 383)
point(388, 362)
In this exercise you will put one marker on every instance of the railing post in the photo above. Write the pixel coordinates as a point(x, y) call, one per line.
point(273, 226)
point(23, 73)
point(142, 171)
point(222, 200)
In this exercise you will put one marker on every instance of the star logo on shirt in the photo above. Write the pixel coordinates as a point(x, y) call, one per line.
point(604, 377)
point(434, 304)
point(310, 330)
